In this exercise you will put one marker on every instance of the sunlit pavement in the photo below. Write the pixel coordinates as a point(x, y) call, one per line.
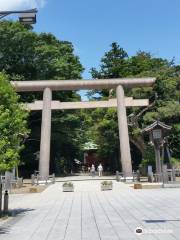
point(89, 213)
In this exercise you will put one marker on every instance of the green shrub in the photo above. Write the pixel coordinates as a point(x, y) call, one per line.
point(68, 184)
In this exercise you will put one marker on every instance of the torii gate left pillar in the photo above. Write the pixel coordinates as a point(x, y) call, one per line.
point(44, 162)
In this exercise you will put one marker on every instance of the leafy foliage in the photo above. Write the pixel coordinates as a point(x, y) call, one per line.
point(29, 55)
point(12, 125)
point(68, 184)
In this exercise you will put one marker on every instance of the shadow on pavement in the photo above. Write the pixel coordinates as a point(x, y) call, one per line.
point(161, 221)
point(3, 230)
point(13, 216)
point(19, 211)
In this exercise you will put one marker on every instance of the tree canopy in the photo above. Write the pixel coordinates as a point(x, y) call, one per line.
point(13, 125)
point(31, 56)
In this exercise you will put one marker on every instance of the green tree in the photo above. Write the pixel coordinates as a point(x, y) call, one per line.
point(27, 55)
point(113, 64)
point(164, 97)
point(12, 125)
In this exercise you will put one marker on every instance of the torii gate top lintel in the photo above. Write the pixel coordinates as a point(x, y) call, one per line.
point(56, 85)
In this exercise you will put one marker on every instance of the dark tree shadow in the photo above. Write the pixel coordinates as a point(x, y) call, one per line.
point(19, 211)
point(4, 230)
point(15, 215)
point(161, 221)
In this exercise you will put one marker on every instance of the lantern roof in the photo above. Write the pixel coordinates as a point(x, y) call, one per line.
point(157, 124)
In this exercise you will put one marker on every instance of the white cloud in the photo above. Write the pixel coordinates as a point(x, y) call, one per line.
point(6, 5)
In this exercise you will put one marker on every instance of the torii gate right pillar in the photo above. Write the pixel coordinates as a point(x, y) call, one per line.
point(123, 133)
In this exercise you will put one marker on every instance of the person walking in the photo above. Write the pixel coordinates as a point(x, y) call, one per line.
point(92, 170)
point(100, 170)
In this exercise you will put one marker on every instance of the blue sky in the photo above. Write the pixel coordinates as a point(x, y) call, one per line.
point(92, 25)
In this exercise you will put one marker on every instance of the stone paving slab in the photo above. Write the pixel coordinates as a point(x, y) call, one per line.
point(90, 214)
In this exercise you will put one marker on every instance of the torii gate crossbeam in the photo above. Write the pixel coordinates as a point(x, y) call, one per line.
point(57, 105)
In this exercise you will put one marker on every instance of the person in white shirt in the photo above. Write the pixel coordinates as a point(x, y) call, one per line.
point(100, 170)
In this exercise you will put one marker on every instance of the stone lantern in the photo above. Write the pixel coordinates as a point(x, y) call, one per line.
point(157, 134)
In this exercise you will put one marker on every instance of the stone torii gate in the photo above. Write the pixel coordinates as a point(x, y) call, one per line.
point(47, 105)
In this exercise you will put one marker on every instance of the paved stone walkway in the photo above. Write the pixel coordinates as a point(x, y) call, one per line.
point(90, 214)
